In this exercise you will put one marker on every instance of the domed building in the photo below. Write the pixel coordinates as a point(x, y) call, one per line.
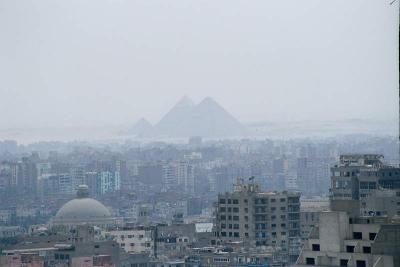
point(83, 210)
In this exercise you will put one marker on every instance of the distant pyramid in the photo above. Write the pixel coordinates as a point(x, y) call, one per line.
point(142, 128)
point(176, 118)
point(206, 119)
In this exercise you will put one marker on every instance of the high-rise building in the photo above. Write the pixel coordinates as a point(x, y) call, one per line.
point(363, 228)
point(259, 218)
point(363, 184)
point(108, 182)
point(26, 177)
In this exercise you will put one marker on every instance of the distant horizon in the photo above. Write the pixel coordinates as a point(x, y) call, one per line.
point(262, 61)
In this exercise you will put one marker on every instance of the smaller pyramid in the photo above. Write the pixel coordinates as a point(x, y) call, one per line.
point(142, 128)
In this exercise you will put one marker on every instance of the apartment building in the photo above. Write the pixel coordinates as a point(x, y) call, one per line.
point(363, 185)
point(259, 218)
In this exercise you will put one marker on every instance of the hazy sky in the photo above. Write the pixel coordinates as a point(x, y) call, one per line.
point(103, 62)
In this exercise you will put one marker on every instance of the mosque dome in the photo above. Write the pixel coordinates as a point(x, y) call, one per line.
point(82, 210)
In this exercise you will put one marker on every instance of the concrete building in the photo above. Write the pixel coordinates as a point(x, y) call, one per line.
point(362, 184)
point(137, 240)
point(259, 218)
point(340, 240)
point(108, 182)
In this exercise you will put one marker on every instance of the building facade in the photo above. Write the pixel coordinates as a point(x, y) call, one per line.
point(259, 218)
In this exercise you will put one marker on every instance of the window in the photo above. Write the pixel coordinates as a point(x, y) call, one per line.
point(372, 236)
point(223, 233)
point(367, 250)
point(235, 209)
point(350, 249)
point(360, 263)
point(235, 201)
point(310, 261)
point(273, 200)
point(343, 262)
point(283, 233)
point(223, 226)
point(132, 244)
point(229, 201)
point(315, 247)
point(223, 217)
point(222, 201)
point(283, 208)
point(273, 209)
point(222, 209)
point(357, 235)
point(363, 185)
point(236, 234)
point(283, 199)
point(283, 225)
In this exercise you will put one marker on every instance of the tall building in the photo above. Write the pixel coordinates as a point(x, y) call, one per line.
point(108, 182)
point(259, 218)
point(362, 184)
point(178, 174)
point(363, 228)
point(185, 175)
point(26, 175)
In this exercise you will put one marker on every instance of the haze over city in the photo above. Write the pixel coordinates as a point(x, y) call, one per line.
point(97, 63)
point(199, 133)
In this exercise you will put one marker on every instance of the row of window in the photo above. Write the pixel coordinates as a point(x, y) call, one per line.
point(234, 218)
point(229, 201)
point(343, 262)
point(230, 226)
point(229, 209)
point(256, 200)
point(359, 236)
point(366, 250)
point(130, 236)
point(230, 234)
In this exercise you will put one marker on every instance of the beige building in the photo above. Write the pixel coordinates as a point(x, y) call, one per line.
point(353, 242)
point(132, 240)
point(259, 218)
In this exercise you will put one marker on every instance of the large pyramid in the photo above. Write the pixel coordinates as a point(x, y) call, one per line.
point(207, 119)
